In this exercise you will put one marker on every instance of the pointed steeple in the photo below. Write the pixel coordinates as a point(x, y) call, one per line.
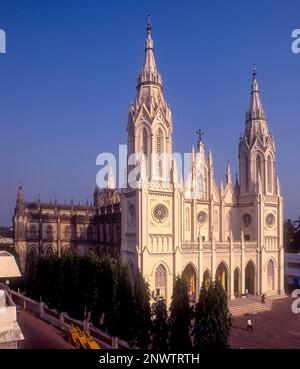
point(256, 110)
point(149, 71)
point(228, 174)
point(20, 195)
point(111, 179)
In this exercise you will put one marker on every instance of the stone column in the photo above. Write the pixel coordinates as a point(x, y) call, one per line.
point(231, 268)
point(243, 263)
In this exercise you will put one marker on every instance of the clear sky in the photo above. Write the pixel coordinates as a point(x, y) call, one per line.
point(70, 73)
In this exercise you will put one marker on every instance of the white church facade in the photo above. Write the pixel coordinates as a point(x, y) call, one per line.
point(195, 227)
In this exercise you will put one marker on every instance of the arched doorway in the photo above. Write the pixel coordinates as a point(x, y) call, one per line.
point(250, 278)
point(189, 275)
point(206, 278)
point(236, 282)
point(222, 276)
point(270, 275)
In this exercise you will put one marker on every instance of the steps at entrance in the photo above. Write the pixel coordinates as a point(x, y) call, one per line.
point(249, 309)
point(250, 305)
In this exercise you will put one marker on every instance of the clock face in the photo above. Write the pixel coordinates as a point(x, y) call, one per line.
point(160, 212)
point(247, 220)
point(270, 220)
point(131, 213)
point(202, 217)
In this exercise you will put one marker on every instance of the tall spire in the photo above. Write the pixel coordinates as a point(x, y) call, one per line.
point(256, 110)
point(149, 71)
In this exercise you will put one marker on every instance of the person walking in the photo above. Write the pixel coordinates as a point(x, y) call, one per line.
point(249, 325)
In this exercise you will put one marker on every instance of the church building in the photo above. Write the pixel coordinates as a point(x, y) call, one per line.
point(196, 228)
point(168, 226)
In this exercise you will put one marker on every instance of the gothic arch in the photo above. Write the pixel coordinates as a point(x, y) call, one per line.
point(67, 250)
point(160, 281)
point(271, 275)
point(222, 274)
point(156, 126)
point(206, 277)
point(49, 251)
point(192, 266)
point(157, 264)
point(250, 277)
point(33, 251)
point(190, 275)
point(237, 282)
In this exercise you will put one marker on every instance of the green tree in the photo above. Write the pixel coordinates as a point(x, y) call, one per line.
point(123, 317)
point(212, 318)
point(142, 312)
point(180, 315)
point(107, 280)
point(160, 328)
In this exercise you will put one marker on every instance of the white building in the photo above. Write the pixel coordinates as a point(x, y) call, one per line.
point(10, 332)
point(197, 228)
point(292, 270)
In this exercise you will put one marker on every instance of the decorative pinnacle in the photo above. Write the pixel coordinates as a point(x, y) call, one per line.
point(148, 25)
point(200, 133)
point(254, 70)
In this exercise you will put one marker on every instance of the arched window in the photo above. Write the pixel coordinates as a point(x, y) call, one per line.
point(228, 221)
point(246, 162)
point(216, 221)
point(49, 251)
point(49, 232)
point(187, 219)
point(270, 176)
point(270, 275)
point(201, 182)
point(258, 167)
point(159, 150)
point(145, 142)
point(160, 281)
point(68, 233)
point(33, 232)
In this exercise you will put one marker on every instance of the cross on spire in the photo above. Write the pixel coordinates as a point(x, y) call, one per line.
point(148, 25)
point(200, 133)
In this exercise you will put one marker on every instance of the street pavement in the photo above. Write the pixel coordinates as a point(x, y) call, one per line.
point(39, 334)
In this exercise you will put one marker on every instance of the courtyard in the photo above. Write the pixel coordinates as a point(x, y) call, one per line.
point(274, 329)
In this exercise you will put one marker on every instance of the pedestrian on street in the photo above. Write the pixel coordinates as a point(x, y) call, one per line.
point(249, 325)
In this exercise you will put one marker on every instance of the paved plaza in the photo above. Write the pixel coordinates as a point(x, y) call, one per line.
point(278, 328)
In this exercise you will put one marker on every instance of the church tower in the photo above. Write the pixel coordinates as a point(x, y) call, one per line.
point(260, 201)
point(150, 120)
point(150, 231)
point(256, 149)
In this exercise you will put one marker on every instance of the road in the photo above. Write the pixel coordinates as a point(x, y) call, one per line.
point(39, 334)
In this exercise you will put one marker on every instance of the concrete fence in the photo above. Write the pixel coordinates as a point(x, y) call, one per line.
point(63, 321)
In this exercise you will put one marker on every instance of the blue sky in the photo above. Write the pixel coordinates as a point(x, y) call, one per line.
point(70, 73)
